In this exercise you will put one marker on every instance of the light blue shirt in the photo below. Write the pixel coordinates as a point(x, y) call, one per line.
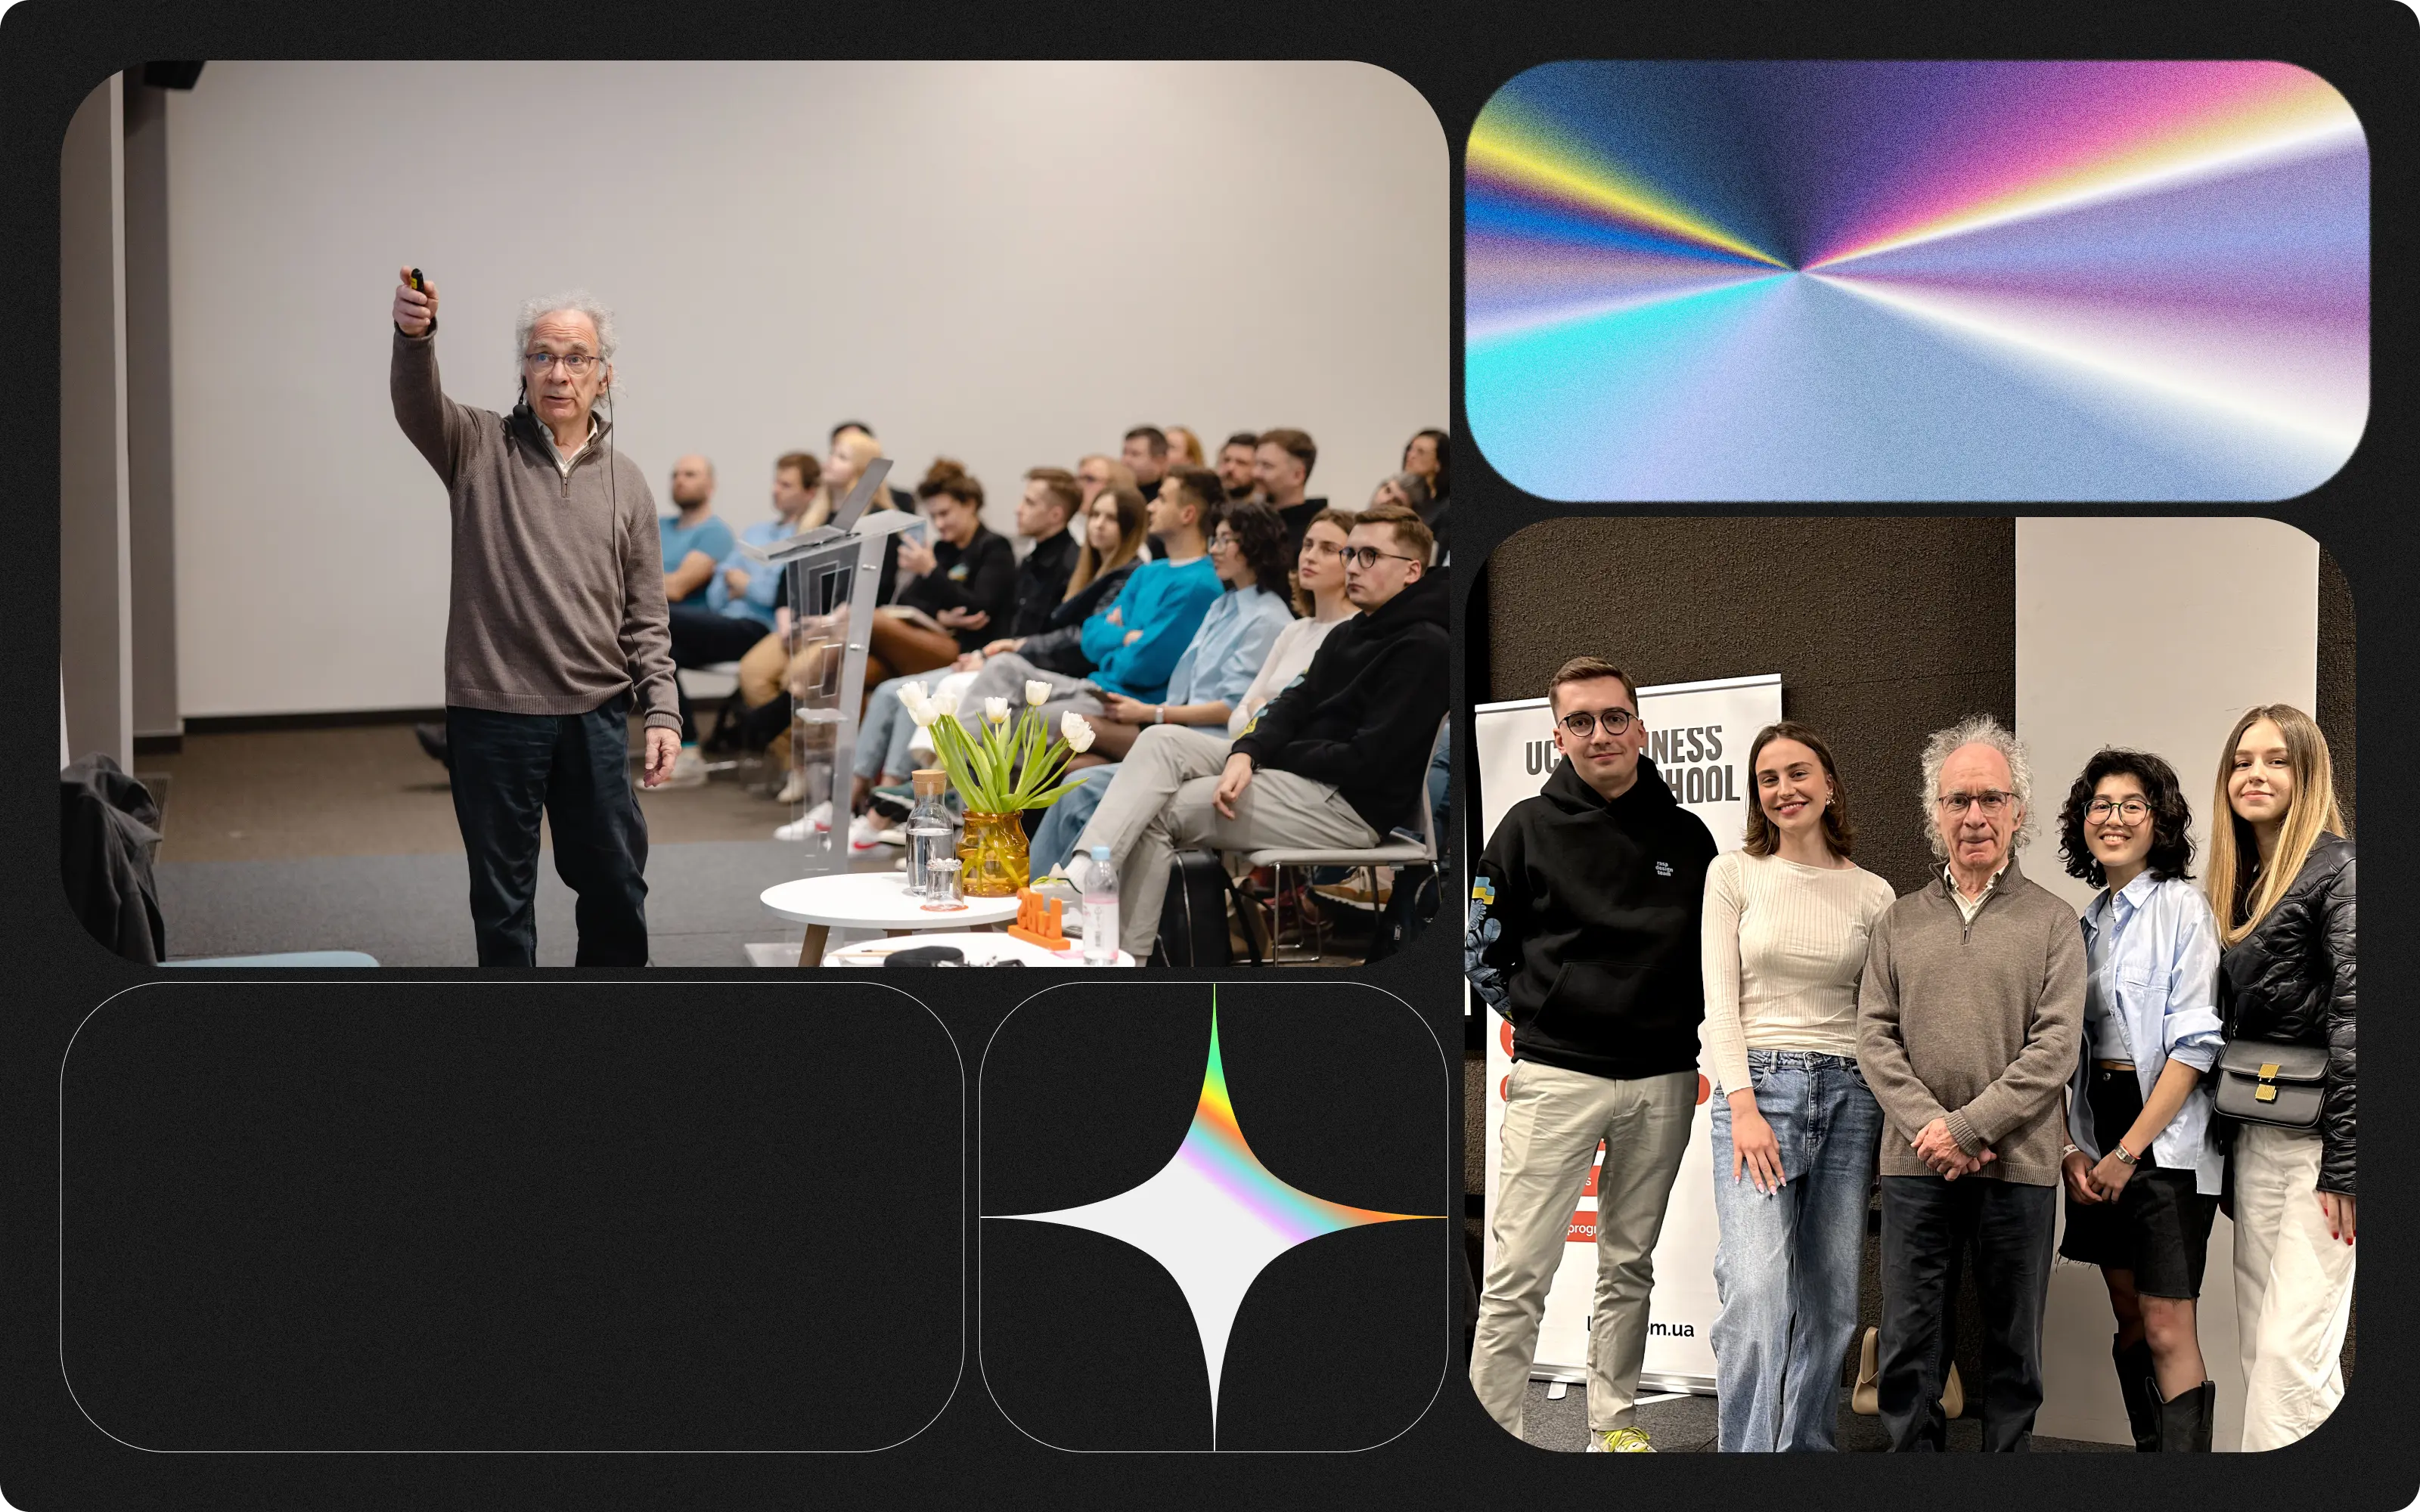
point(709, 535)
point(764, 580)
point(2152, 956)
point(1218, 664)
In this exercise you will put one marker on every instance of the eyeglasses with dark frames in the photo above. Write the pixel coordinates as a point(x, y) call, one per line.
point(1581, 724)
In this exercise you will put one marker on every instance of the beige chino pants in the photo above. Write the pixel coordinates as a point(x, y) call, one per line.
point(2293, 1288)
point(1553, 1120)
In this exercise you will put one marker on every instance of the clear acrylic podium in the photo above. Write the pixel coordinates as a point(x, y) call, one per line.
point(830, 581)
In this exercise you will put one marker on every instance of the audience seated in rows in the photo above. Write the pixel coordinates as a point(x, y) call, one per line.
point(1335, 762)
point(1208, 713)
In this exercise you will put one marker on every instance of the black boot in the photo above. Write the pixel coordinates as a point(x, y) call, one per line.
point(2185, 1420)
point(2142, 1394)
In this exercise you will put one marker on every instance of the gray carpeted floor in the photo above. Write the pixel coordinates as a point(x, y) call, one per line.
point(1686, 1425)
point(414, 910)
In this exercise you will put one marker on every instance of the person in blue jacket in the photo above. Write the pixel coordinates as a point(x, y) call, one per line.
point(1133, 644)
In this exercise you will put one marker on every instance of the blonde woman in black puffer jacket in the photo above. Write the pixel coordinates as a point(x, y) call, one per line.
point(2281, 882)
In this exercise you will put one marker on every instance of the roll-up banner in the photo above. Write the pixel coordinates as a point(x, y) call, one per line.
point(1699, 735)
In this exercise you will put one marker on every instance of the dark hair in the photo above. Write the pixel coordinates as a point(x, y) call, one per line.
point(1440, 488)
point(1203, 485)
point(1411, 532)
point(1587, 669)
point(850, 425)
point(1248, 439)
point(810, 471)
point(1764, 839)
point(1061, 485)
point(1295, 443)
point(948, 475)
point(1260, 537)
point(1153, 434)
point(2172, 845)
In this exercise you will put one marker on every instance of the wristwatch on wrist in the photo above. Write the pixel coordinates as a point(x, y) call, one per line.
point(2120, 1151)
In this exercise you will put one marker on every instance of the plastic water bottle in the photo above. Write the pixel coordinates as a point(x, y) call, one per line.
point(1100, 910)
point(932, 834)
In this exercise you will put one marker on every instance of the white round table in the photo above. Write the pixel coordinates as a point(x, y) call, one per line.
point(871, 900)
point(981, 950)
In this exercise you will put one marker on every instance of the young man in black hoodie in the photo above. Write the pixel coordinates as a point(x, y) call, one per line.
point(1335, 760)
point(1583, 931)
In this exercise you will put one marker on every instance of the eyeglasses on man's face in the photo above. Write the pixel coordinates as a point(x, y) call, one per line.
point(1366, 557)
point(1581, 724)
point(2125, 811)
point(1991, 800)
point(575, 364)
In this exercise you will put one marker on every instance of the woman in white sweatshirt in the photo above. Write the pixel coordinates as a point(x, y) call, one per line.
point(1794, 1127)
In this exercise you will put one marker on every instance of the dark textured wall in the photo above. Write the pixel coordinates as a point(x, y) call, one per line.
point(2335, 712)
point(1882, 630)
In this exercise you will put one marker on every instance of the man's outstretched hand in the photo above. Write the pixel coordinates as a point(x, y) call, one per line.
point(662, 747)
point(415, 309)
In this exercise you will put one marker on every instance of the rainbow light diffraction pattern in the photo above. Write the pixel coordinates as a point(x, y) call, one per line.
point(1214, 1216)
point(1886, 280)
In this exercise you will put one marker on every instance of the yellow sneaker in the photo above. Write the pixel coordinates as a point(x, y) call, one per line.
point(1620, 1441)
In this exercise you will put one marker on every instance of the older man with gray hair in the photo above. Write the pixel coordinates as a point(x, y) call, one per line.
point(555, 623)
point(1967, 1022)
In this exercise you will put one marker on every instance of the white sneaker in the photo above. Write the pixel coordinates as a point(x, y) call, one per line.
point(807, 825)
point(864, 835)
point(689, 769)
point(793, 789)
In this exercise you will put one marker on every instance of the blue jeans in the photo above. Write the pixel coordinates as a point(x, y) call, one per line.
point(1063, 822)
point(883, 734)
point(1787, 1263)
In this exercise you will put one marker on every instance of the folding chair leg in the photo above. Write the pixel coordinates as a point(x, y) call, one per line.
point(1247, 916)
point(1304, 930)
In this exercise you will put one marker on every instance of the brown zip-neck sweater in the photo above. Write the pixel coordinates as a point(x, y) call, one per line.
point(1975, 1021)
point(557, 601)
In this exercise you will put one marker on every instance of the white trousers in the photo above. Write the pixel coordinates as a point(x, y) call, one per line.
point(2293, 1288)
point(1553, 1122)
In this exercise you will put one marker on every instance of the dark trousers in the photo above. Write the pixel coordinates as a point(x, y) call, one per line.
point(575, 769)
point(702, 637)
point(1928, 1223)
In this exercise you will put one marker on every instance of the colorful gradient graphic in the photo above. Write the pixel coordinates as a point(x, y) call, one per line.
point(1914, 280)
point(1214, 1216)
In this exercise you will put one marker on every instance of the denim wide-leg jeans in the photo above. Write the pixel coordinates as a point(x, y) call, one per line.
point(1787, 1263)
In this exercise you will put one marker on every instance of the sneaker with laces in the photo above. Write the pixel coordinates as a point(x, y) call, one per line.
point(1619, 1442)
point(864, 834)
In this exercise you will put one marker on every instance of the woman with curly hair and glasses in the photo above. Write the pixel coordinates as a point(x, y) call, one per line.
point(2143, 1174)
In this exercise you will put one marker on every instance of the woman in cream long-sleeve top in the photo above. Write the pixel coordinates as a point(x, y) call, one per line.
point(1795, 1128)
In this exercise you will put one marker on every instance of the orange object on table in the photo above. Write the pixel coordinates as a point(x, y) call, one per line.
point(1038, 921)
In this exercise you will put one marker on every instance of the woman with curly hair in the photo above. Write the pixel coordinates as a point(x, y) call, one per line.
point(2143, 1174)
point(1247, 546)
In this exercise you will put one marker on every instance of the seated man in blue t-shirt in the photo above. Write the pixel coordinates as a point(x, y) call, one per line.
point(720, 612)
point(695, 542)
point(1135, 642)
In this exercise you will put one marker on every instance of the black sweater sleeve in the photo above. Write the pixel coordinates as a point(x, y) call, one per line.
point(1491, 940)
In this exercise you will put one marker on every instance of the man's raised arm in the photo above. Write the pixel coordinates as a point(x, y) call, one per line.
point(441, 428)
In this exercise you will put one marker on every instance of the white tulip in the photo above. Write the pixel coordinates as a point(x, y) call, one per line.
point(1078, 734)
point(1037, 693)
point(996, 710)
point(942, 705)
point(918, 702)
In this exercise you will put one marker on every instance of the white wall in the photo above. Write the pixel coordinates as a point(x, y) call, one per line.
point(1007, 263)
point(2218, 615)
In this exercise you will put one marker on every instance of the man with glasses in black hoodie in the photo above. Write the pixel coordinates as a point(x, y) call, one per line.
point(1334, 762)
point(1583, 930)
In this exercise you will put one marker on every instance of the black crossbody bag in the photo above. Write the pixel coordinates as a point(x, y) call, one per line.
point(2278, 1084)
